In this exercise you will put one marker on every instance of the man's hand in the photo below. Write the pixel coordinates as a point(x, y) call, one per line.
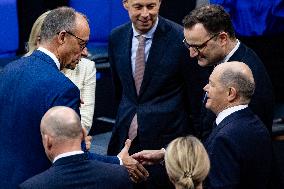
point(136, 171)
point(150, 157)
point(88, 139)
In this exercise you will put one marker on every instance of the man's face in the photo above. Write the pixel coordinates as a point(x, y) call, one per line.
point(216, 94)
point(74, 47)
point(143, 13)
point(205, 47)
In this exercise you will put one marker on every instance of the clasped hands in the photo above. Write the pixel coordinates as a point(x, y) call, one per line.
point(135, 162)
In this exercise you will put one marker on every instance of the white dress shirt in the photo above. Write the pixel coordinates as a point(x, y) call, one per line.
point(225, 113)
point(149, 38)
point(67, 154)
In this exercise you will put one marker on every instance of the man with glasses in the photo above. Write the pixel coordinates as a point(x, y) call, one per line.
point(156, 84)
point(210, 38)
point(32, 85)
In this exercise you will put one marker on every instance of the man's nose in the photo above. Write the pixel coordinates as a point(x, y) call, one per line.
point(145, 12)
point(84, 52)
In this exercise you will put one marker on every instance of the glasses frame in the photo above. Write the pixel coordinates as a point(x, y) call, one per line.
point(84, 42)
point(198, 48)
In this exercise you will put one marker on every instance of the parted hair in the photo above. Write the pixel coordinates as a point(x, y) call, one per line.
point(213, 17)
point(62, 18)
point(187, 162)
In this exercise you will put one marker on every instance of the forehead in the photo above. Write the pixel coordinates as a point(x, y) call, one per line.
point(196, 33)
point(143, 2)
point(82, 28)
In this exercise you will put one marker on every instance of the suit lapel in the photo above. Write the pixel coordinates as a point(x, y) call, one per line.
point(157, 51)
point(126, 61)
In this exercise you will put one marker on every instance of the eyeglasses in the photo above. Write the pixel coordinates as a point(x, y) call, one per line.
point(83, 42)
point(198, 48)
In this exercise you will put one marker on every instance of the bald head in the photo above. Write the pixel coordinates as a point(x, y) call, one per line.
point(238, 75)
point(62, 123)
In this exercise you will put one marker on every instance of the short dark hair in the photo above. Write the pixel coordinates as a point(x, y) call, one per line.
point(213, 17)
point(62, 18)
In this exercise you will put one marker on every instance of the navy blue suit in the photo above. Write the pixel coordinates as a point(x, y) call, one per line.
point(170, 83)
point(79, 172)
point(28, 88)
point(240, 153)
point(262, 102)
point(169, 90)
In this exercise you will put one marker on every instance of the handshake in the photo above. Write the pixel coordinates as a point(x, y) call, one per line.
point(134, 163)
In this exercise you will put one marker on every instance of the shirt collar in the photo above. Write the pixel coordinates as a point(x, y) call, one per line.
point(149, 34)
point(225, 113)
point(67, 154)
point(47, 52)
point(231, 53)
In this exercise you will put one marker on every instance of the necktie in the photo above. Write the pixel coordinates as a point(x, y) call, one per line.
point(139, 63)
point(138, 77)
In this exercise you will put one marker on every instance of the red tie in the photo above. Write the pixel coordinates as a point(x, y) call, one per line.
point(138, 77)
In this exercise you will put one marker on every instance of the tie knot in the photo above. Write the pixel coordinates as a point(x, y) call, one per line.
point(141, 38)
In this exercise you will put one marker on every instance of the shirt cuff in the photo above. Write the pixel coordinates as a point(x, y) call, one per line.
point(120, 160)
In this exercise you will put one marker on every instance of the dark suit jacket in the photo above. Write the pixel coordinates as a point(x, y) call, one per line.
point(170, 87)
point(262, 102)
point(240, 153)
point(78, 171)
point(28, 88)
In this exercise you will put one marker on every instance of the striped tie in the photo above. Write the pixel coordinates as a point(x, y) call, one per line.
point(138, 77)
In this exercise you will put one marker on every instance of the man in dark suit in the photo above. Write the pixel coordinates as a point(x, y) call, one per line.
point(239, 146)
point(210, 37)
point(62, 134)
point(30, 86)
point(154, 106)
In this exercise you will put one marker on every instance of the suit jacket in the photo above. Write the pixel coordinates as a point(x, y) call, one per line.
point(29, 87)
point(79, 172)
point(84, 77)
point(103, 158)
point(240, 153)
point(262, 102)
point(170, 87)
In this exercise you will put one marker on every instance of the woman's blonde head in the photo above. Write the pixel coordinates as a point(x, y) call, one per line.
point(187, 162)
point(35, 34)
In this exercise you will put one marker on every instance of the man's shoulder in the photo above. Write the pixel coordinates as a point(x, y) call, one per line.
point(121, 29)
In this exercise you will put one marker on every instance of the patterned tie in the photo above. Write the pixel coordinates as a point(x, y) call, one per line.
point(138, 77)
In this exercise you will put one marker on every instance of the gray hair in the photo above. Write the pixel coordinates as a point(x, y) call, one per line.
point(62, 18)
point(244, 84)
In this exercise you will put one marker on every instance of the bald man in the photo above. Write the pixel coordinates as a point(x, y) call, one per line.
point(62, 134)
point(239, 146)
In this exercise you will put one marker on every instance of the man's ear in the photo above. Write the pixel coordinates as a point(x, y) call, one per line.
point(232, 94)
point(49, 141)
point(61, 37)
point(125, 4)
point(223, 36)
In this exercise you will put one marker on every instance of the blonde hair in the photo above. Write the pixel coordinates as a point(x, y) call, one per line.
point(187, 162)
point(35, 34)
